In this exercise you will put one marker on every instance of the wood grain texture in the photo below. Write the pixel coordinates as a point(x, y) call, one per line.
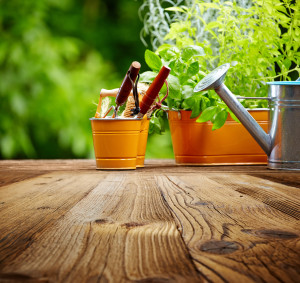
point(30, 207)
point(231, 236)
point(64, 221)
point(119, 231)
point(9, 177)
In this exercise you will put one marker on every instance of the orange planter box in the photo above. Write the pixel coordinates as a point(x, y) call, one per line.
point(196, 144)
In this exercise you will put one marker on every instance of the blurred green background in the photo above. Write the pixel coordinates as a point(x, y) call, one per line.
point(55, 56)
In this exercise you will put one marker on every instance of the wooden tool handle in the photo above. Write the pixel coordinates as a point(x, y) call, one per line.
point(109, 92)
point(126, 85)
point(154, 89)
point(105, 93)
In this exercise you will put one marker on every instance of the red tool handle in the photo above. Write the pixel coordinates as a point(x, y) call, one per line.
point(126, 85)
point(154, 89)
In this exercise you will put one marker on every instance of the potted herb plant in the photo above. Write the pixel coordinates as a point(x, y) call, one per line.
point(194, 117)
point(251, 40)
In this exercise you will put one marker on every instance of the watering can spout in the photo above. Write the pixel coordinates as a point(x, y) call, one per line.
point(261, 137)
point(214, 80)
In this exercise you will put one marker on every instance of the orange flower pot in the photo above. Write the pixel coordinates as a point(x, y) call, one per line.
point(116, 142)
point(196, 144)
point(142, 142)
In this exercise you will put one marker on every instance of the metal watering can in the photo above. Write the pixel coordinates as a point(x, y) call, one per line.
point(282, 144)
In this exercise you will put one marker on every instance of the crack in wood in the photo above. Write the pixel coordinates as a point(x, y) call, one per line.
point(268, 233)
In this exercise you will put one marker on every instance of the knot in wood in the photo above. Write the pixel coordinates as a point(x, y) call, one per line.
point(219, 247)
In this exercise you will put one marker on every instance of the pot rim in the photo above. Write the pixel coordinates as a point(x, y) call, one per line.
point(248, 109)
point(115, 119)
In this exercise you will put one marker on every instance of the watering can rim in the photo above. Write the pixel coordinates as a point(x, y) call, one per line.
point(284, 83)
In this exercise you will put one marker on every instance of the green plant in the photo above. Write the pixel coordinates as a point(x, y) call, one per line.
point(158, 15)
point(260, 41)
point(156, 20)
point(187, 69)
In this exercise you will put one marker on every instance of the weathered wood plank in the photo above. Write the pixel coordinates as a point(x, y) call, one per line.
point(30, 207)
point(231, 236)
point(47, 165)
point(9, 169)
point(286, 178)
point(10, 177)
point(281, 197)
point(64, 221)
point(118, 230)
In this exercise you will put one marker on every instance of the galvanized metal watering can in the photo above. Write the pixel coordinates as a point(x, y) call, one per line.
point(282, 144)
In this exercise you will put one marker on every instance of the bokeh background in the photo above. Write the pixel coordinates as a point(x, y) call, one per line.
point(55, 56)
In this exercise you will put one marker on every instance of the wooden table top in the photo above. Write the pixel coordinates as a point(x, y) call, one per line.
point(64, 221)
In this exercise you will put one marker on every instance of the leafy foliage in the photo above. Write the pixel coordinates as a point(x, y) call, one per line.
point(156, 19)
point(51, 76)
point(186, 70)
point(260, 41)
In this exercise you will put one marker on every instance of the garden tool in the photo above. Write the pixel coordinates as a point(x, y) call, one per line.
point(282, 143)
point(153, 90)
point(131, 102)
point(127, 85)
point(123, 92)
point(105, 93)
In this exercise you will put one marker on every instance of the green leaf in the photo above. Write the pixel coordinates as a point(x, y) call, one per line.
point(207, 114)
point(187, 91)
point(148, 77)
point(191, 83)
point(191, 51)
point(233, 116)
point(210, 5)
point(155, 126)
point(174, 87)
point(196, 109)
point(183, 79)
point(153, 60)
point(193, 69)
point(212, 25)
point(171, 65)
point(169, 54)
point(219, 119)
point(175, 9)
point(281, 9)
point(188, 103)
point(205, 103)
point(162, 48)
point(287, 63)
point(173, 103)
point(179, 67)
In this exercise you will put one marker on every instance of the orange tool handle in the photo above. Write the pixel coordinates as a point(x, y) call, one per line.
point(153, 90)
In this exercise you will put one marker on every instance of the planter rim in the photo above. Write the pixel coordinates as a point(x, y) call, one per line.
point(116, 119)
point(248, 109)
